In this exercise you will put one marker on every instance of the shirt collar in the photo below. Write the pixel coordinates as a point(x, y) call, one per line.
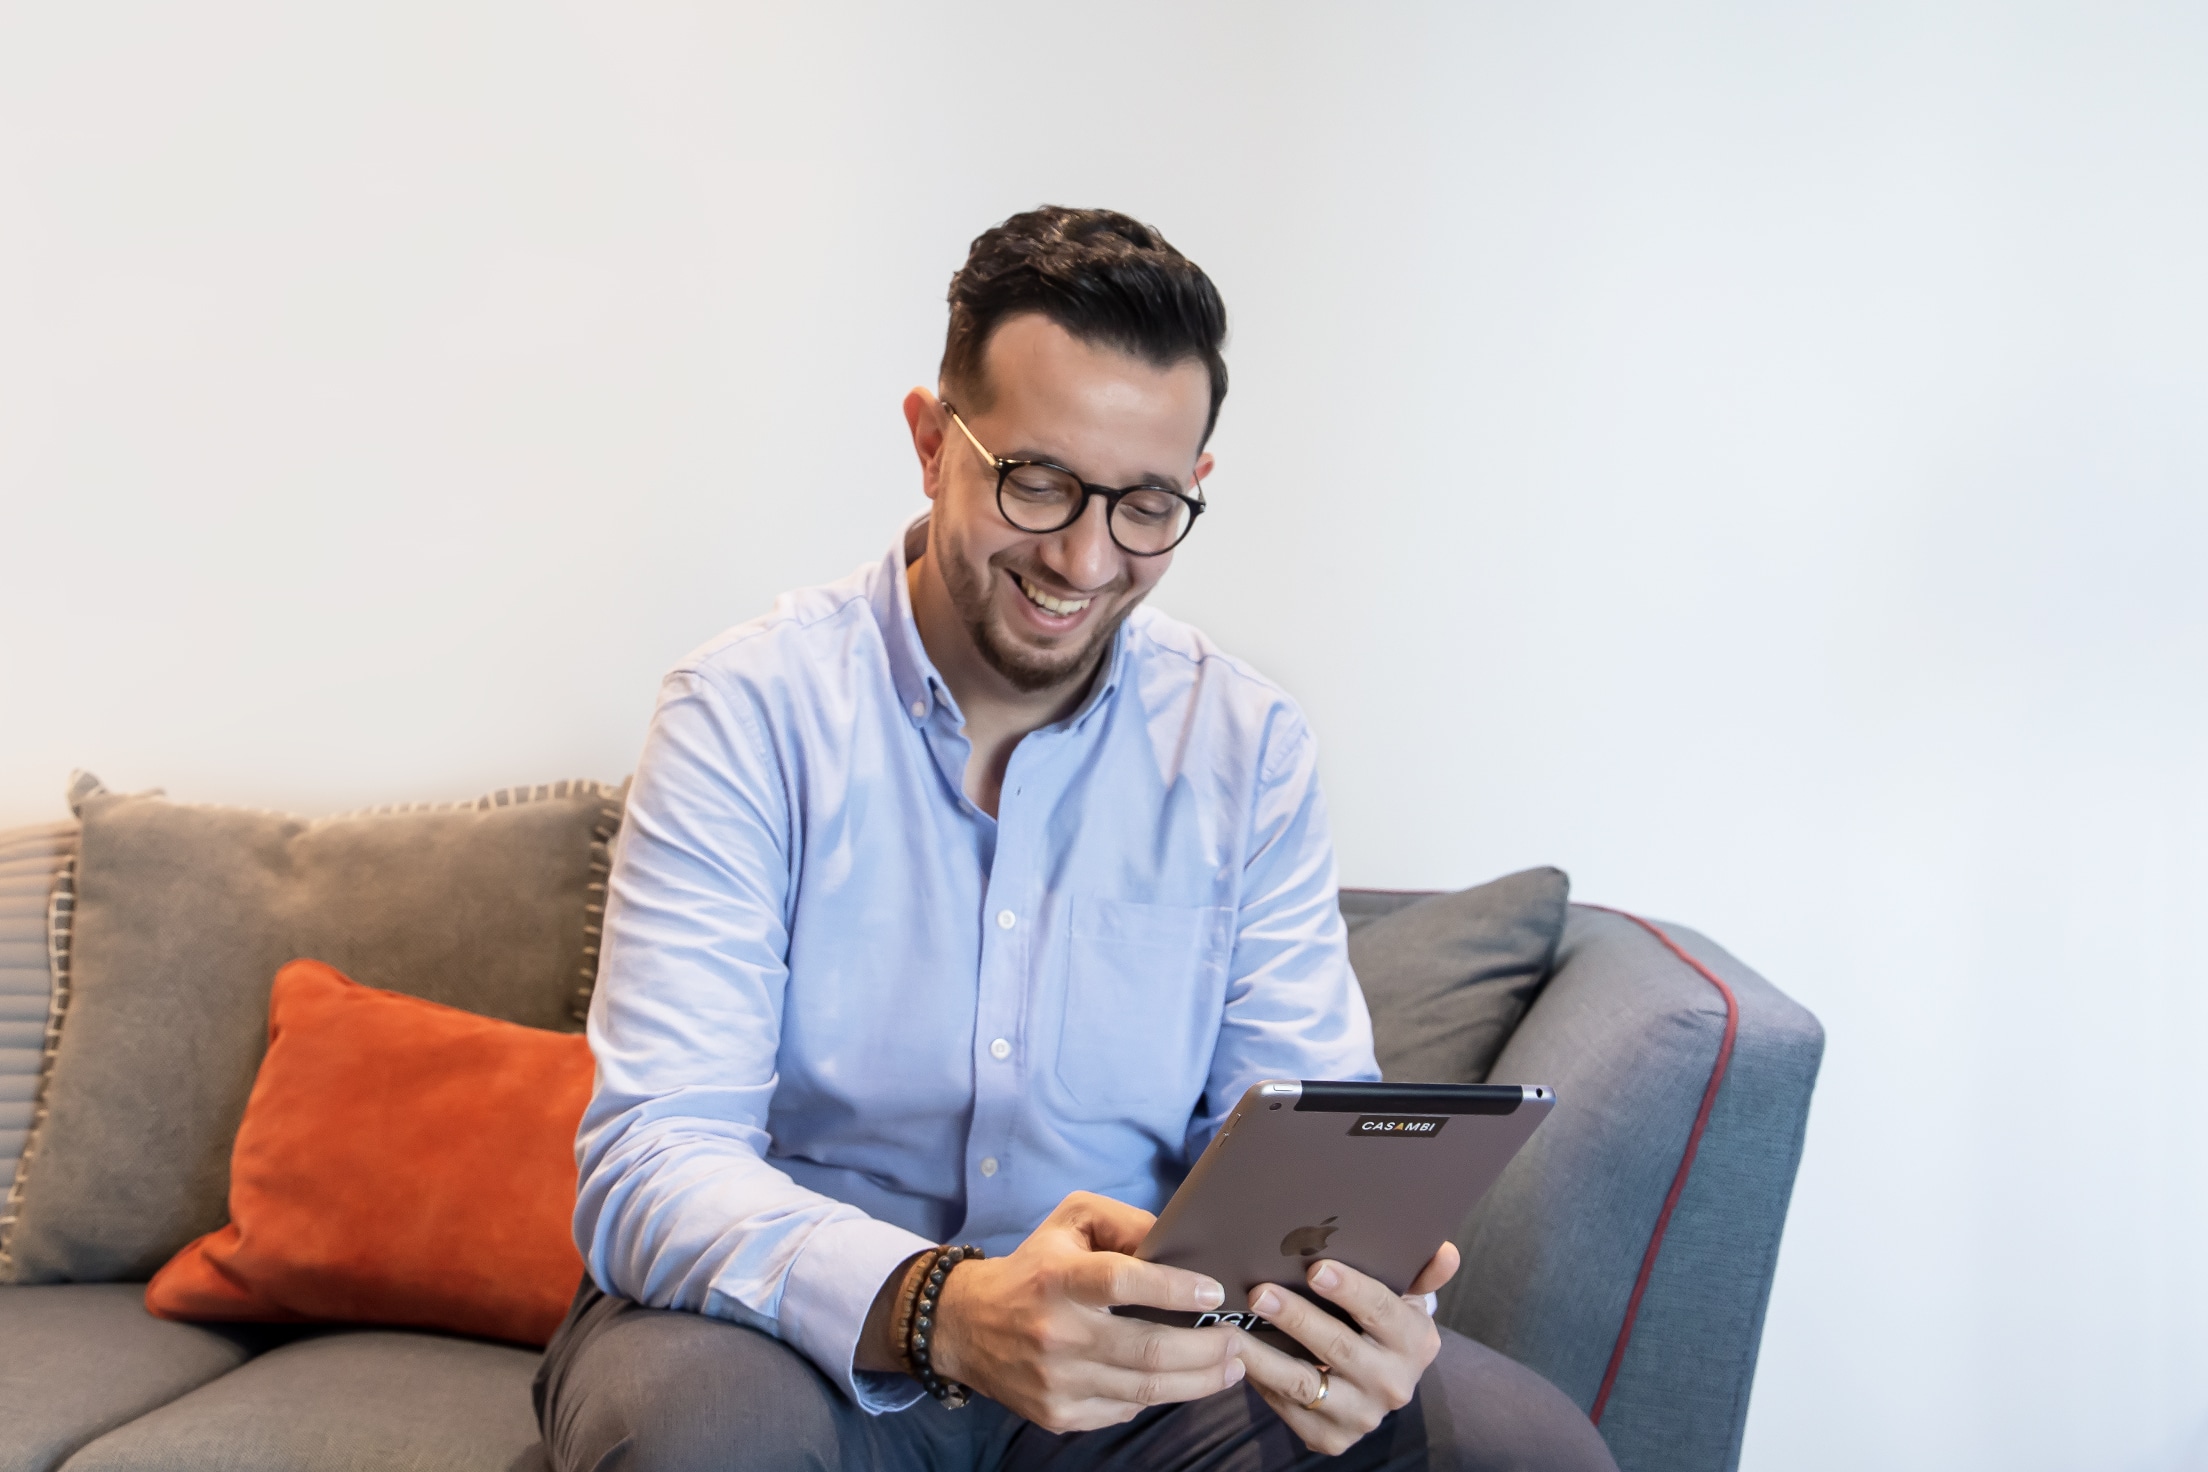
point(1107, 680)
point(919, 688)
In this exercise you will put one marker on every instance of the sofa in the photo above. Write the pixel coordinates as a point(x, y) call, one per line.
point(1627, 1254)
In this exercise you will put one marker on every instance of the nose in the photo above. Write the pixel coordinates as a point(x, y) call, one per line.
point(1084, 554)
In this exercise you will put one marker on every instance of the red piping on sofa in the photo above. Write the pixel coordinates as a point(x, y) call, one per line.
point(1686, 1158)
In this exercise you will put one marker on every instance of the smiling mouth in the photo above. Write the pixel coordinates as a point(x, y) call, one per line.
point(1062, 607)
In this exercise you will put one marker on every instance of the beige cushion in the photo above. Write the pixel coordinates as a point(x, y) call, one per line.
point(183, 915)
point(33, 862)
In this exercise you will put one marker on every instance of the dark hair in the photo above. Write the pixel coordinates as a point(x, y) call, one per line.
point(1103, 277)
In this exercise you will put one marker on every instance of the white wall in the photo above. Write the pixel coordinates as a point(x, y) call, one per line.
point(1754, 458)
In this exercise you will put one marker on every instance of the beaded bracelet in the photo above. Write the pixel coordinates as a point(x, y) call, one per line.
point(919, 1346)
point(908, 1294)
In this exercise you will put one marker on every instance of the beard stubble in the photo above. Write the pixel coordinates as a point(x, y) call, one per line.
point(1024, 670)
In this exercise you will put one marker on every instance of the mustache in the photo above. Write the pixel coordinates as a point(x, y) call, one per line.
point(1050, 583)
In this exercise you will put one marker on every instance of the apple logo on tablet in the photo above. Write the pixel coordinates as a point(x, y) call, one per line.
point(1308, 1241)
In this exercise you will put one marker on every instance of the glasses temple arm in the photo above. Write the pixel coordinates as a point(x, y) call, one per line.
point(979, 447)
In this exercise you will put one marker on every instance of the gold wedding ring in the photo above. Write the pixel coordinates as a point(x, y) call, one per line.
point(1313, 1403)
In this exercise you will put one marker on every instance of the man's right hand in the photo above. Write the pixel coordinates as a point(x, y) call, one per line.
point(1033, 1331)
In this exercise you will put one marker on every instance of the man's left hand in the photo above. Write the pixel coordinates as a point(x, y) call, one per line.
point(1367, 1374)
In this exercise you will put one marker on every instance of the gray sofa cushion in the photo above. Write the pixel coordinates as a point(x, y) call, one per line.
point(1448, 976)
point(79, 1359)
point(31, 863)
point(349, 1401)
point(183, 915)
point(1627, 1033)
point(1360, 907)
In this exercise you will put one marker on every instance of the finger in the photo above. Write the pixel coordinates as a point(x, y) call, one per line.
point(1091, 1415)
point(1334, 1342)
point(1105, 1224)
point(1439, 1269)
point(1289, 1385)
point(1130, 1344)
point(1060, 1417)
point(1166, 1387)
point(1103, 1279)
point(1382, 1312)
point(1276, 1373)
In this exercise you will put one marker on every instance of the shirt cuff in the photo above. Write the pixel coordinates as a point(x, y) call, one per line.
point(827, 1295)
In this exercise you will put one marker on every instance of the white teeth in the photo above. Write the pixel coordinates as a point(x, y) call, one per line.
point(1042, 600)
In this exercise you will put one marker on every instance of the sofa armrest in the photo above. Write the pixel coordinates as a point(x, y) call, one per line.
point(1629, 1035)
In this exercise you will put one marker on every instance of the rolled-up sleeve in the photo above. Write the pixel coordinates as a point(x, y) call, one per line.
point(677, 1204)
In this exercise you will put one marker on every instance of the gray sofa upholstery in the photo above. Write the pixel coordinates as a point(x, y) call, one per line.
point(1557, 1258)
point(1629, 1032)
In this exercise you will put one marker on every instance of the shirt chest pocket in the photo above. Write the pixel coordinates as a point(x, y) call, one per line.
point(1144, 989)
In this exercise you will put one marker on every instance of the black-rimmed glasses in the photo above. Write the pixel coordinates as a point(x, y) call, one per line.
point(1037, 496)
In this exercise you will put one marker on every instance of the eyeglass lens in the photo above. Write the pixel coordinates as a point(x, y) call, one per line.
point(1038, 498)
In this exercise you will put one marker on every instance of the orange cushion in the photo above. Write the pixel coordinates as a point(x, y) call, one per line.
point(400, 1162)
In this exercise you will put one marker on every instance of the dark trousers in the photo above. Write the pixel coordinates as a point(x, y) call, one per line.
point(647, 1390)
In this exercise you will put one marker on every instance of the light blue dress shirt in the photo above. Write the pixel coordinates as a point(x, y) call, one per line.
point(842, 1013)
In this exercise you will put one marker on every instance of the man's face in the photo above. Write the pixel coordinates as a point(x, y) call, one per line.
point(1040, 607)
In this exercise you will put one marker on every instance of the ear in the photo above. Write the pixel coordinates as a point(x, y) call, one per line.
point(924, 417)
point(1203, 469)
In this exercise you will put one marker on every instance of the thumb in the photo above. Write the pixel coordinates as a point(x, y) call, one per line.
point(1104, 1225)
point(1439, 1269)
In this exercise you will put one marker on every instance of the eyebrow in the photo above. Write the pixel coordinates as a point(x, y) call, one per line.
point(1149, 477)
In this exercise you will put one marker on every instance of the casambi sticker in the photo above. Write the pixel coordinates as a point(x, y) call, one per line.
point(1400, 1126)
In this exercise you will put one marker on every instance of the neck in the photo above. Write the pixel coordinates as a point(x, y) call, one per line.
point(998, 713)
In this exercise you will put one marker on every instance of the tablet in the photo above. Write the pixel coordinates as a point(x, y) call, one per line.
point(1376, 1176)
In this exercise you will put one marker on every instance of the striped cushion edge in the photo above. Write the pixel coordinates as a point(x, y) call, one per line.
point(35, 867)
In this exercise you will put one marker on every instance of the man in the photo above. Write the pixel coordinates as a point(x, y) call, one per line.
point(957, 902)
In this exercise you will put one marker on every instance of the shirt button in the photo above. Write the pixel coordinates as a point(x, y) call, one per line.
point(1006, 920)
point(1000, 1050)
point(919, 709)
point(988, 1165)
